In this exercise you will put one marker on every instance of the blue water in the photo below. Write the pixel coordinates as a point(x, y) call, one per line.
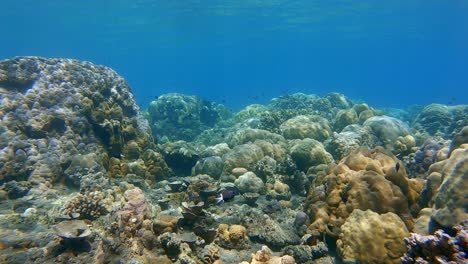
point(386, 53)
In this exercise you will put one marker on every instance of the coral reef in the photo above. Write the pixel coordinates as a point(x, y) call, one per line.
point(450, 199)
point(232, 237)
point(438, 248)
point(309, 152)
point(368, 237)
point(302, 126)
point(391, 133)
point(249, 182)
point(182, 117)
point(264, 256)
point(86, 206)
point(55, 112)
point(305, 178)
point(365, 179)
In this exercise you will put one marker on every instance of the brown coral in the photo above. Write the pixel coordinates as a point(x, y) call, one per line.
point(368, 237)
point(365, 179)
point(86, 206)
point(234, 236)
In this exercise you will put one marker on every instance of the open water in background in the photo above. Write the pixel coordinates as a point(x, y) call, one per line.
point(387, 53)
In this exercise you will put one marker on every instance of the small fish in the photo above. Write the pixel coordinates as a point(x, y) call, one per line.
point(225, 196)
point(397, 166)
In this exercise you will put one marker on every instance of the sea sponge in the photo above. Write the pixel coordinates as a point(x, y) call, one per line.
point(368, 237)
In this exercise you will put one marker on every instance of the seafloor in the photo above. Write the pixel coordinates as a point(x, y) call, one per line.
point(87, 177)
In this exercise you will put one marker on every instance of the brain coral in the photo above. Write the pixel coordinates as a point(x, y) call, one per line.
point(365, 179)
point(368, 237)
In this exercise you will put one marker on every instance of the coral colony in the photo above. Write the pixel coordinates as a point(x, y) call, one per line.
point(86, 176)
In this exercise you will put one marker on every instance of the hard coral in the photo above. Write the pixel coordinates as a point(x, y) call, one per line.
point(368, 237)
point(264, 256)
point(86, 206)
point(438, 248)
point(365, 179)
point(232, 237)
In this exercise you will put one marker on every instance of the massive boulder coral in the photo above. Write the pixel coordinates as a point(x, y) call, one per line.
point(306, 126)
point(54, 109)
point(369, 237)
point(181, 117)
point(446, 187)
point(441, 120)
point(309, 152)
point(351, 138)
point(391, 133)
point(365, 179)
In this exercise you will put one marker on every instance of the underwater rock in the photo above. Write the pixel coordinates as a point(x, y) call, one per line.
point(309, 152)
point(306, 126)
point(369, 237)
point(181, 117)
point(165, 223)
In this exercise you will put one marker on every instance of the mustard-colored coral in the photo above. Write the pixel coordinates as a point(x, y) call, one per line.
point(264, 256)
point(368, 237)
point(365, 179)
point(234, 236)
